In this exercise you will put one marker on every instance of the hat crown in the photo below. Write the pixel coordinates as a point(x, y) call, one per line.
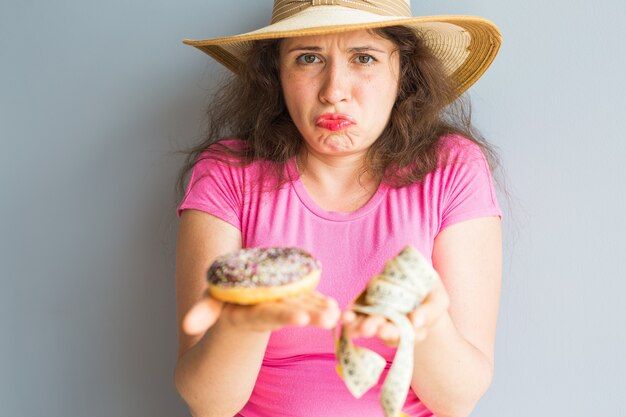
point(284, 9)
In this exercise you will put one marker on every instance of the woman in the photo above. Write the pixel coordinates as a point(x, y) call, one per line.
point(340, 142)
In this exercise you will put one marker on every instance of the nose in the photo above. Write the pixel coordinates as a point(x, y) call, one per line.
point(335, 86)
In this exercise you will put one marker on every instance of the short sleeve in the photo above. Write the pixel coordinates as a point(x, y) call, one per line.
point(467, 185)
point(215, 188)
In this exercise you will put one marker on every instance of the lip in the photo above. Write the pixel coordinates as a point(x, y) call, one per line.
point(335, 121)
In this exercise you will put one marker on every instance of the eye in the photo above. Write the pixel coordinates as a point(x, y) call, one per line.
point(365, 59)
point(308, 59)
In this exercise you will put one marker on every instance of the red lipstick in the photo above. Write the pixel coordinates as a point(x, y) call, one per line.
point(334, 121)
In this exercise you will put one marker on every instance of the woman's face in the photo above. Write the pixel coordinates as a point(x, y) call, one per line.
point(339, 89)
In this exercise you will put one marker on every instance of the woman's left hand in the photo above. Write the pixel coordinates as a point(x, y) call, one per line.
point(423, 319)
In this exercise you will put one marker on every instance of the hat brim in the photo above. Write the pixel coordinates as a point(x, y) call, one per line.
point(466, 45)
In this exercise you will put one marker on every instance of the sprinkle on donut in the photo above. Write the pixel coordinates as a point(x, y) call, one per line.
point(261, 267)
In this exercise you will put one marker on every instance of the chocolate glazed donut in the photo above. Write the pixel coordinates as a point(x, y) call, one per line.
point(257, 275)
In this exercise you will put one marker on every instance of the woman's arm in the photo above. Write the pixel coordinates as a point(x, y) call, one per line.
point(216, 369)
point(222, 345)
point(454, 361)
point(456, 323)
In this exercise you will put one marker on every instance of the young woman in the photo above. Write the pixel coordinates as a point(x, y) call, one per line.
point(337, 135)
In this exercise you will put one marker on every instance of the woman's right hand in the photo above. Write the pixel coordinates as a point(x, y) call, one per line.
point(308, 309)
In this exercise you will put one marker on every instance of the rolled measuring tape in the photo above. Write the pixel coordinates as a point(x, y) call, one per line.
point(399, 289)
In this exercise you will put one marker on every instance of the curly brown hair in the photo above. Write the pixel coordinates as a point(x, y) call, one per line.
point(250, 107)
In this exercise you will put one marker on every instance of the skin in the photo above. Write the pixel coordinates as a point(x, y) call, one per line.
point(354, 74)
point(221, 346)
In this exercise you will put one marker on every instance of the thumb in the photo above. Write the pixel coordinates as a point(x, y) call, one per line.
point(202, 316)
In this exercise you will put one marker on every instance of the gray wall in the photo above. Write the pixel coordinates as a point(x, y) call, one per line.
point(95, 97)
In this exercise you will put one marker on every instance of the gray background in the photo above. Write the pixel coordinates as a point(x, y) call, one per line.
point(96, 97)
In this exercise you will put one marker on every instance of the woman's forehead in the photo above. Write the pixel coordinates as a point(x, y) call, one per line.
point(343, 40)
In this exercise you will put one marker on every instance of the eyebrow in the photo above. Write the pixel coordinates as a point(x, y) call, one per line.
point(357, 49)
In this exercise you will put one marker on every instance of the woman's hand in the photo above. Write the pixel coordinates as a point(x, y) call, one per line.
point(309, 309)
point(423, 318)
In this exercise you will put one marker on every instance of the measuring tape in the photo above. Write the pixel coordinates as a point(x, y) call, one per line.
point(399, 289)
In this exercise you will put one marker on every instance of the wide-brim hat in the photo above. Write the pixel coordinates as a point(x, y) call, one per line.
point(466, 45)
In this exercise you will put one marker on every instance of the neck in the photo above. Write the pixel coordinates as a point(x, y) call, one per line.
point(337, 183)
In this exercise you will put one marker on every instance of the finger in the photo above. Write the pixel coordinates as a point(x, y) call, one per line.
point(351, 322)
point(322, 311)
point(279, 314)
point(390, 334)
point(418, 318)
point(371, 324)
point(348, 316)
point(432, 308)
point(307, 301)
point(202, 316)
point(365, 326)
point(317, 298)
point(327, 316)
point(305, 309)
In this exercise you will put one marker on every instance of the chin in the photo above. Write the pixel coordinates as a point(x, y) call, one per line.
point(338, 142)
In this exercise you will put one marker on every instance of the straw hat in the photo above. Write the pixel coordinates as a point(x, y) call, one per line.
point(465, 44)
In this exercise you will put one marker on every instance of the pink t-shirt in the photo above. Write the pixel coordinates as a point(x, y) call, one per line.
point(298, 376)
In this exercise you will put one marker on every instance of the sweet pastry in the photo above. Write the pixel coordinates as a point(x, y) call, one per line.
point(256, 275)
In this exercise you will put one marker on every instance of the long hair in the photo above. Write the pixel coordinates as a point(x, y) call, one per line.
point(250, 107)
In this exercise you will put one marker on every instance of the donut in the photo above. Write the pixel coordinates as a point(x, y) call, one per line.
point(257, 275)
